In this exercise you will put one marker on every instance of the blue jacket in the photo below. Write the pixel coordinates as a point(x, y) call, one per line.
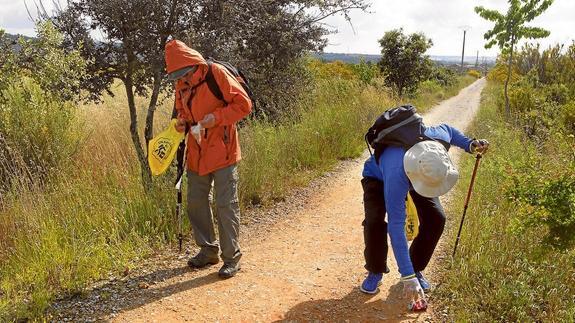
point(396, 186)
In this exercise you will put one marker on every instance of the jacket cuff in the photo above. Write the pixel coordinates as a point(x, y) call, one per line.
point(408, 277)
point(469, 147)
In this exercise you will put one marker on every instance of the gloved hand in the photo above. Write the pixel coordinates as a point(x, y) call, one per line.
point(197, 132)
point(412, 289)
point(208, 121)
point(479, 146)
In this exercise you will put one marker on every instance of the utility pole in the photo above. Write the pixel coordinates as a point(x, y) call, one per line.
point(465, 28)
point(463, 50)
point(477, 61)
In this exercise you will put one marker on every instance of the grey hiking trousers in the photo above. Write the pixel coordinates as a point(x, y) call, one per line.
point(227, 211)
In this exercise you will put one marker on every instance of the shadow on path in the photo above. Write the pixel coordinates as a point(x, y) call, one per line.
point(127, 294)
point(355, 306)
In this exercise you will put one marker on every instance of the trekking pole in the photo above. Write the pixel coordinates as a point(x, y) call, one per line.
point(179, 178)
point(180, 161)
point(477, 159)
point(179, 213)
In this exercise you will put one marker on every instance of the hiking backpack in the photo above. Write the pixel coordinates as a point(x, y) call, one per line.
point(236, 72)
point(400, 127)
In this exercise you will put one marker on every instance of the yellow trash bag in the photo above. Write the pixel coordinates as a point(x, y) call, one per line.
point(412, 221)
point(163, 148)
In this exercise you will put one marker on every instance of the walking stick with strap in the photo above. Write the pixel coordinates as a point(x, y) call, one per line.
point(477, 159)
point(180, 159)
point(179, 178)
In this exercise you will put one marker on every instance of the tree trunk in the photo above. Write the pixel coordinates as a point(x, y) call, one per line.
point(146, 172)
point(149, 130)
point(400, 89)
point(509, 65)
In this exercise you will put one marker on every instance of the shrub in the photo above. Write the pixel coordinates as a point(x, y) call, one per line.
point(568, 111)
point(56, 70)
point(546, 200)
point(499, 73)
point(38, 132)
point(558, 93)
point(522, 99)
point(366, 71)
point(474, 73)
point(36, 123)
point(7, 62)
point(431, 87)
point(330, 70)
point(443, 76)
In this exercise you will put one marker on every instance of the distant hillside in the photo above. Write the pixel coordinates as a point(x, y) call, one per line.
point(347, 58)
point(356, 58)
point(14, 39)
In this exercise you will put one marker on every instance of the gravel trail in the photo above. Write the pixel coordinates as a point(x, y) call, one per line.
point(303, 261)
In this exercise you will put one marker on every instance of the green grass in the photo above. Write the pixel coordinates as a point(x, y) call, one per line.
point(93, 218)
point(501, 273)
point(277, 158)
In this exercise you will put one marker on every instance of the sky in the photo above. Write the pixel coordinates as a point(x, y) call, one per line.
point(441, 20)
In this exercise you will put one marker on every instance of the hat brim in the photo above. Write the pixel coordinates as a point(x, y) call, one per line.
point(178, 74)
point(411, 161)
point(434, 191)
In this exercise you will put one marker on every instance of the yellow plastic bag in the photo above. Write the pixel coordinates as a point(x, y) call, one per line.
point(412, 221)
point(163, 148)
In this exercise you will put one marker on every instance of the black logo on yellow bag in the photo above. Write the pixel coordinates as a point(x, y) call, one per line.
point(162, 149)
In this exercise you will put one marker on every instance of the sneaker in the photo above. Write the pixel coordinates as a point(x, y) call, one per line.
point(200, 261)
point(423, 282)
point(229, 270)
point(369, 285)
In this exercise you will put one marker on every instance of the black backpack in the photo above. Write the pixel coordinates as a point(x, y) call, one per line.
point(236, 72)
point(400, 127)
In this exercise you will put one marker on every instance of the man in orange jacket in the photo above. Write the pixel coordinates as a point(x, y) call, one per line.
point(213, 152)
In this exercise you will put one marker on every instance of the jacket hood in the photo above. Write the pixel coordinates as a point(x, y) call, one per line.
point(178, 56)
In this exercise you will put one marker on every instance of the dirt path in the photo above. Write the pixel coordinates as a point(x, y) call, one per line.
point(307, 266)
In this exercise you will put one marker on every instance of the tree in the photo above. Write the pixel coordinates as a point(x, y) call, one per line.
point(38, 82)
point(130, 48)
point(403, 61)
point(268, 40)
point(510, 28)
point(265, 38)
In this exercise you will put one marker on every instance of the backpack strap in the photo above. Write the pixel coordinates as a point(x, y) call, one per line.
point(212, 83)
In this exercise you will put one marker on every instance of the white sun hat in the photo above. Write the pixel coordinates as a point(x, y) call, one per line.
point(429, 168)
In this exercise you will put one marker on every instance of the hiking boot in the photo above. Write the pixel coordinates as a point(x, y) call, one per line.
point(369, 285)
point(425, 285)
point(200, 261)
point(229, 270)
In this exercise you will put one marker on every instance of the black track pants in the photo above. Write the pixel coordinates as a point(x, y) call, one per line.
point(431, 224)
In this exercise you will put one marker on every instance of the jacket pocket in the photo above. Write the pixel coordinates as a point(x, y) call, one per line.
point(217, 153)
point(226, 140)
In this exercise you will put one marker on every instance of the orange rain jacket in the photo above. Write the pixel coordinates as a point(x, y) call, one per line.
point(220, 146)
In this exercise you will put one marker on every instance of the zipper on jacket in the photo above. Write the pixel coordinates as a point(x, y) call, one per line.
point(189, 106)
point(226, 137)
point(226, 142)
